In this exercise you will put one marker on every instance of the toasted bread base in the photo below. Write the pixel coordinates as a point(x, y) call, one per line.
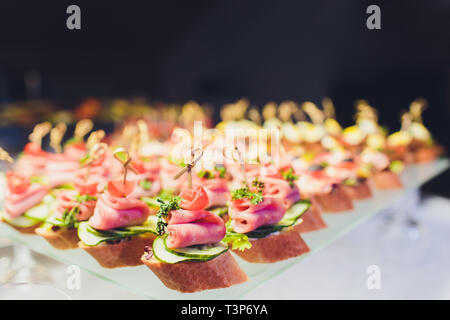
point(358, 192)
point(386, 180)
point(275, 247)
point(427, 154)
point(314, 147)
point(312, 220)
point(27, 230)
point(335, 201)
point(191, 276)
point(126, 253)
point(62, 239)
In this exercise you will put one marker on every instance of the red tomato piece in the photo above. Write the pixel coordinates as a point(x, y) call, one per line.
point(194, 199)
point(119, 189)
point(17, 183)
point(86, 188)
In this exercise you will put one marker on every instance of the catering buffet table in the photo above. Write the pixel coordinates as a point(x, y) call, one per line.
point(348, 256)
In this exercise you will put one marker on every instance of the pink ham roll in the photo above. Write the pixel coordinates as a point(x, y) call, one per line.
point(115, 212)
point(246, 217)
point(281, 189)
point(186, 228)
point(17, 203)
point(216, 189)
point(66, 200)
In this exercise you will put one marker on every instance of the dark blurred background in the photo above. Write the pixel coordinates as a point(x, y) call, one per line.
point(218, 51)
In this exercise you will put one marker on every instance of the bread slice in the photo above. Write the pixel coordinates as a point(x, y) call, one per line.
point(192, 276)
point(60, 238)
point(335, 201)
point(275, 247)
point(358, 192)
point(125, 253)
point(27, 230)
point(386, 180)
point(427, 154)
point(312, 220)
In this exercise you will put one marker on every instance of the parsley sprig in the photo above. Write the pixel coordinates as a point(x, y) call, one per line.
point(238, 241)
point(289, 176)
point(207, 174)
point(165, 207)
point(254, 195)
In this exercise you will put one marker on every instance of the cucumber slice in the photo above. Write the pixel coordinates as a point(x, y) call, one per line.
point(295, 212)
point(39, 212)
point(199, 252)
point(289, 219)
point(160, 252)
point(93, 237)
point(21, 221)
point(193, 253)
point(151, 202)
point(220, 211)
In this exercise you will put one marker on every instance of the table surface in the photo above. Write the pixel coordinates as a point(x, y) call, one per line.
point(412, 264)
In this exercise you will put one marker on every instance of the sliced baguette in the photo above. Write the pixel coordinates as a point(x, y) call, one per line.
point(191, 276)
point(386, 180)
point(335, 201)
point(62, 238)
point(275, 247)
point(427, 154)
point(125, 253)
point(312, 220)
point(358, 192)
point(26, 230)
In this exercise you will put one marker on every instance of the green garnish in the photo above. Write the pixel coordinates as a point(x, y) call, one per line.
point(163, 212)
point(396, 166)
point(85, 197)
point(323, 164)
point(145, 184)
point(221, 170)
point(238, 241)
point(38, 179)
point(245, 192)
point(207, 174)
point(289, 176)
point(351, 182)
point(69, 217)
point(72, 141)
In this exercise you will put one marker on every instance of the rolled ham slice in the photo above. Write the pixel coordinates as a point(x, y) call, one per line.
point(114, 212)
point(66, 200)
point(61, 169)
point(246, 217)
point(316, 182)
point(186, 228)
point(216, 189)
point(281, 189)
point(16, 204)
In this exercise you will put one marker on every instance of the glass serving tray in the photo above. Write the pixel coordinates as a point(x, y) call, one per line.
point(141, 281)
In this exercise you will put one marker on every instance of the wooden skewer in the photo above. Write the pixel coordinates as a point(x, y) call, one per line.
point(124, 157)
point(56, 136)
point(190, 165)
point(4, 156)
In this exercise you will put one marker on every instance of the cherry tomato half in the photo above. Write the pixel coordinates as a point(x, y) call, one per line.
point(194, 199)
point(117, 188)
point(17, 183)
